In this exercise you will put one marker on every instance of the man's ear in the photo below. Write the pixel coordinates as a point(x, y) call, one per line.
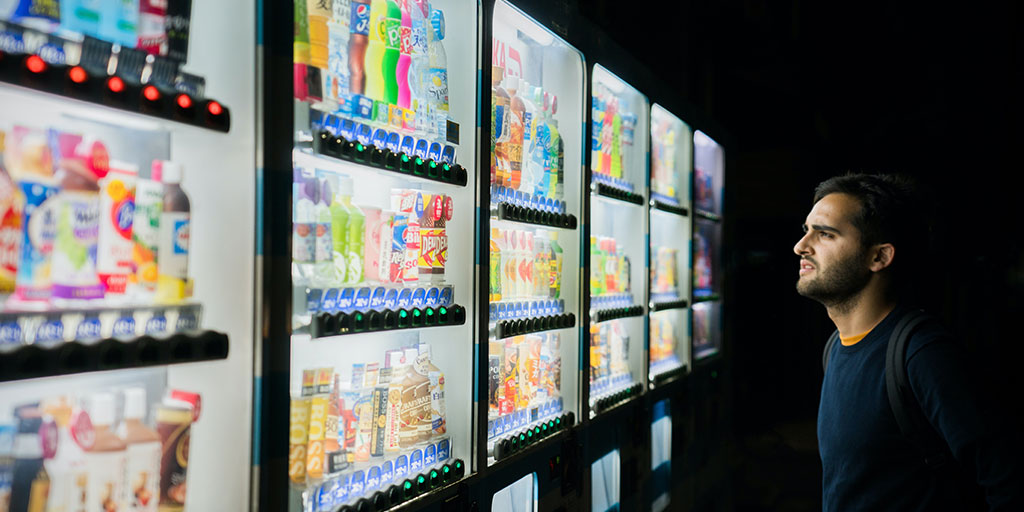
point(881, 257)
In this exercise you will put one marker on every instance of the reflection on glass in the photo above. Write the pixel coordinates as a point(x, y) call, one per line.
point(521, 496)
point(661, 455)
point(604, 483)
point(706, 329)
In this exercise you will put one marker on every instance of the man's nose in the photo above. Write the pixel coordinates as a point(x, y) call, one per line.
point(801, 248)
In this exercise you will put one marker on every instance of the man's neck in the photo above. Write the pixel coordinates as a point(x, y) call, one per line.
point(861, 313)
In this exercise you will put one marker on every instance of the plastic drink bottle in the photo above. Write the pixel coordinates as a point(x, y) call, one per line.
point(117, 209)
point(68, 473)
point(437, 74)
point(515, 145)
point(107, 459)
point(555, 273)
point(300, 50)
point(405, 55)
point(143, 451)
point(149, 198)
point(73, 268)
point(175, 231)
point(324, 268)
point(338, 34)
point(419, 11)
point(354, 259)
point(359, 30)
point(340, 205)
point(81, 16)
point(318, 12)
point(303, 229)
point(499, 129)
point(119, 22)
point(152, 26)
point(374, 59)
point(392, 42)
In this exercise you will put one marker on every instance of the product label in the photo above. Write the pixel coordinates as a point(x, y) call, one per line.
point(106, 480)
point(329, 302)
point(373, 479)
point(405, 298)
point(362, 299)
point(437, 87)
point(39, 230)
point(360, 20)
point(387, 473)
point(304, 242)
point(418, 297)
point(429, 455)
point(416, 461)
point(444, 450)
point(358, 484)
point(124, 326)
point(345, 299)
point(401, 467)
point(10, 333)
point(156, 324)
point(146, 231)
point(324, 244)
point(50, 331)
point(377, 299)
point(142, 491)
point(391, 299)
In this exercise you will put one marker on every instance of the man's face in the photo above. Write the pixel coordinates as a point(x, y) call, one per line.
point(833, 261)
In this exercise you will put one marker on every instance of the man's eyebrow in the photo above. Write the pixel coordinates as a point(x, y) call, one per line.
point(822, 227)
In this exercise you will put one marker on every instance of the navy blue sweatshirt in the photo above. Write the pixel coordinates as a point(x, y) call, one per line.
point(868, 464)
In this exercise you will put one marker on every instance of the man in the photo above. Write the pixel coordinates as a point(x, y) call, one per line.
point(859, 246)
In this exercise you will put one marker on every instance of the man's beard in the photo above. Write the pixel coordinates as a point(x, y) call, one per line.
point(838, 286)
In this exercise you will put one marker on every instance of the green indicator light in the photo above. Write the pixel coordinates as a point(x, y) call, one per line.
point(443, 310)
point(433, 164)
point(419, 160)
point(446, 167)
point(558, 421)
point(434, 473)
point(359, 146)
point(458, 464)
point(405, 157)
point(536, 430)
point(446, 469)
point(359, 317)
point(522, 437)
point(421, 479)
point(403, 313)
point(408, 485)
point(416, 312)
point(430, 312)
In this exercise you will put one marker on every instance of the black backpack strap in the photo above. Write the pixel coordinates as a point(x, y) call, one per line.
point(827, 354)
point(905, 407)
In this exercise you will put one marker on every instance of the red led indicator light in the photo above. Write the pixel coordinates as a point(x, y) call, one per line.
point(184, 101)
point(214, 108)
point(77, 74)
point(35, 64)
point(115, 84)
point(151, 93)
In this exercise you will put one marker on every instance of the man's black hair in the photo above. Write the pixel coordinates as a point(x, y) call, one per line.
point(892, 210)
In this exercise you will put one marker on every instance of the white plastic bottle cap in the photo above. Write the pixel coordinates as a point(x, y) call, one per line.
point(172, 172)
point(102, 412)
point(135, 403)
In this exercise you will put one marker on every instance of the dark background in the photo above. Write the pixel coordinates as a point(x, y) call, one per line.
point(804, 90)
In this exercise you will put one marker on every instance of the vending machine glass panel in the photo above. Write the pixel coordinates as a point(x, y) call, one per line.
point(670, 225)
point(383, 221)
point(126, 255)
point(537, 97)
point(707, 329)
point(617, 247)
point(605, 483)
point(520, 496)
point(661, 455)
point(709, 174)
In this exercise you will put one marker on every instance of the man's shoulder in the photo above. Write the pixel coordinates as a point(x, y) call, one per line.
point(932, 333)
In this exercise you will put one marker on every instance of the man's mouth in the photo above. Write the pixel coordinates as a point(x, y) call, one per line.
point(806, 267)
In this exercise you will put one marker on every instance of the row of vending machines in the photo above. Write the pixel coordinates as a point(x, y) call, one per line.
point(447, 255)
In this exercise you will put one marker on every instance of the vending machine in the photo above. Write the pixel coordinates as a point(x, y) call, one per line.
point(373, 201)
point(126, 242)
point(708, 180)
point(533, 209)
point(617, 242)
point(670, 228)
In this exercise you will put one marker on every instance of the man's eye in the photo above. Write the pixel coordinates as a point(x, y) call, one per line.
point(826, 234)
